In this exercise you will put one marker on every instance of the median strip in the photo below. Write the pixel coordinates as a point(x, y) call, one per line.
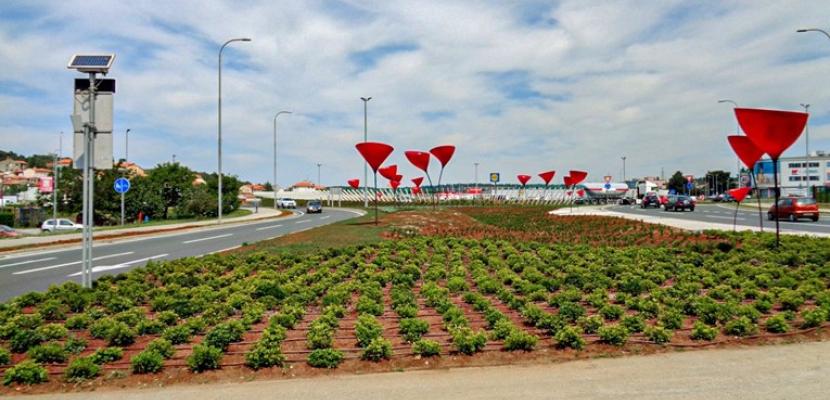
point(28, 271)
point(207, 238)
point(28, 262)
point(119, 266)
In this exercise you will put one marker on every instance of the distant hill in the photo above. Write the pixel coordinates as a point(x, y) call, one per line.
point(36, 160)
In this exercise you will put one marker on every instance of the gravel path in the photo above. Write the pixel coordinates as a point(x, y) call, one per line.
point(794, 371)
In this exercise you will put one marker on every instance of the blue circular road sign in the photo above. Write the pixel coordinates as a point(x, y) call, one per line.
point(121, 185)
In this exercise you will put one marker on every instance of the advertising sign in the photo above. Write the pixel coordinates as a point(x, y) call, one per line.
point(45, 184)
point(763, 174)
point(494, 177)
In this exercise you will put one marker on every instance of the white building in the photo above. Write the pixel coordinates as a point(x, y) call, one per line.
point(794, 175)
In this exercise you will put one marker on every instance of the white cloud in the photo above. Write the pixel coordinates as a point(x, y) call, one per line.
point(605, 79)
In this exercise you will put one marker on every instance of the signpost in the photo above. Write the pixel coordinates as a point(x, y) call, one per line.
point(689, 184)
point(121, 186)
point(494, 179)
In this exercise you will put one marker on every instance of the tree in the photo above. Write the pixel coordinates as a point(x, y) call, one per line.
point(268, 186)
point(173, 181)
point(677, 182)
point(720, 181)
point(230, 190)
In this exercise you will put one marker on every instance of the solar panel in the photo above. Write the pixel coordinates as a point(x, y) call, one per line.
point(91, 62)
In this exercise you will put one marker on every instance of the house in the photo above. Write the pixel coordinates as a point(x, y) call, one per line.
point(305, 186)
point(198, 180)
point(12, 165)
point(134, 168)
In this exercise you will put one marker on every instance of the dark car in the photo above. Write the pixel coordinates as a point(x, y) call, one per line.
point(795, 208)
point(650, 200)
point(679, 203)
point(314, 206)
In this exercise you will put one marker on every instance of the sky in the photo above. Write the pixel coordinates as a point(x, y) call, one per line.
point(520, 87)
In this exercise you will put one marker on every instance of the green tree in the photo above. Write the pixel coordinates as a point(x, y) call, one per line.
point(173, 181)
point(677, 182)
point(230, 190)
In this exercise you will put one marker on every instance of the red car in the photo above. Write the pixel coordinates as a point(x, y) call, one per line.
point(794, 208)
point(6, 231)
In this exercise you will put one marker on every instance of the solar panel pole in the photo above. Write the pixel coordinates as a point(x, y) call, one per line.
point(90, 162)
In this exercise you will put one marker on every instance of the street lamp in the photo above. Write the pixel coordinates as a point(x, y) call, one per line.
point(365, 164)
point(814, 30)
point(318, 175)
point(274, 185)
point(737, 132)
point(623, 160)
point(221, 49)
point(127, 145)
point(807, 148)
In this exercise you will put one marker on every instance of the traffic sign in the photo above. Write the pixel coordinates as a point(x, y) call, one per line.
point(689, 185)
point(121, 185)
point(494, 177)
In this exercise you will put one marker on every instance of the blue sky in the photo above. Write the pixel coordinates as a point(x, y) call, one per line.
point(520, 87)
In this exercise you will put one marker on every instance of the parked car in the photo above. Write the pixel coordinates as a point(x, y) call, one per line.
point(7, 231)
point(650, 200)
point(625, 201)
point(314, 206)
point(286, 203)
point(679, 203)
point(60, 225)
point(794, 208)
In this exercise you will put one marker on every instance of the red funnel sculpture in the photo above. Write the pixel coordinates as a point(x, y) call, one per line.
point(578, 176)
point(772, 131)
point(417, 181)
point(547, 176)
point(739, 195)
point(354, 183)
point(420, 159)
point(749, 154)
point(444, 155)
point(389, 172)
point(375, 154)
point(523, 179)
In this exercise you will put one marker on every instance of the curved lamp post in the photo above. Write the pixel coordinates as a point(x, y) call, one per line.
point(221, 49)
point(274, 186)
point(737, 132)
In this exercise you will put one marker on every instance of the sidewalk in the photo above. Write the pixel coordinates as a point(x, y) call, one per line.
point(673, 222)
point(29, 242)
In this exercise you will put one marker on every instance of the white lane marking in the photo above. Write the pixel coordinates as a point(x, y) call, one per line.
point(119, 266)
point(326, 217)
point(303, 221)
point(268, 227)
point(28, 262)
point(207, 238)
point(28, 271)
point(221, 251)
point(717, 216)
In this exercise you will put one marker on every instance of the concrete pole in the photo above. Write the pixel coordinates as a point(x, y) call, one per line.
point(365, 139)
point(221, 49)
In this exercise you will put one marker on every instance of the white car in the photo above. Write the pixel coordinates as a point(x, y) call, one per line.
point(286, 203)
point(63, 225)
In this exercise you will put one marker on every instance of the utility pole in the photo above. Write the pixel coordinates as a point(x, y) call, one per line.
point(365, 164)
point(55, 181)
point(623, 160)
point(807, 149)
point(318, 175)
point(126, 157)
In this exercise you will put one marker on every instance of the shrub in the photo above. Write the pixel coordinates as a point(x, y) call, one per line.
point(613, 334)
point(167, 317)
point(367, 329)
point(264, 355)
point(177, 334)
point(791, 300)
point(26, 372)
point(79, 321)
point(197, 325)
point(100, 328)
point(48, 353)
point(147, 362)
point(468, 342)
point(204, 357)
point(5, 356)
point(378, 349)
point(741, 326)
point(412, 329)
point(366, 305)
point(81, 369)
point(569, 336)
point(52, 331)
point(224, 334)
point(52, 310)
point(325, 358)
point(286, 320)
point(426, 348)
point(120, 335)
point(590, 324)
point(149, 327)
point(24, 339)
point(777, 324)
point(161, 346)
point(502, 329)
point(320, 336)
point(701, 331)
point(633, 323)
point(407, 311)
point(571, 311)
point(107, 355)
point(74, 345)
point(456, 284)
point(611, 312)
point(658, 334)
point(813, 318)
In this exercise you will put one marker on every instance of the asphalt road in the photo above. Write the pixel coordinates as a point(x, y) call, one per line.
point(723, 214)
point(37, 270)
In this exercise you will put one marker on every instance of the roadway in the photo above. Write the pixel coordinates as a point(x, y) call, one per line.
point(36, 270)
point(723, 214)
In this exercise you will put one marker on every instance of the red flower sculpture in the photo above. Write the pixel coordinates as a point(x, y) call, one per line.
point(577, 177)
point(417, 181)
point(580, 193)
point(416, 190)
point(394, 184)
point(420, 159)
point(398, 178)
point(389, 172)
point(443, 153)
point(547, 176)
point(745, 149)
point(523, 179)
point(568, 182)
point(374, 153)
point(354, 183)
point(740, 194)
point(772, 131)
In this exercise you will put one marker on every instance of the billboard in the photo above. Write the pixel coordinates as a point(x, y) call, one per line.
point(45, 184)
point(763, 174)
